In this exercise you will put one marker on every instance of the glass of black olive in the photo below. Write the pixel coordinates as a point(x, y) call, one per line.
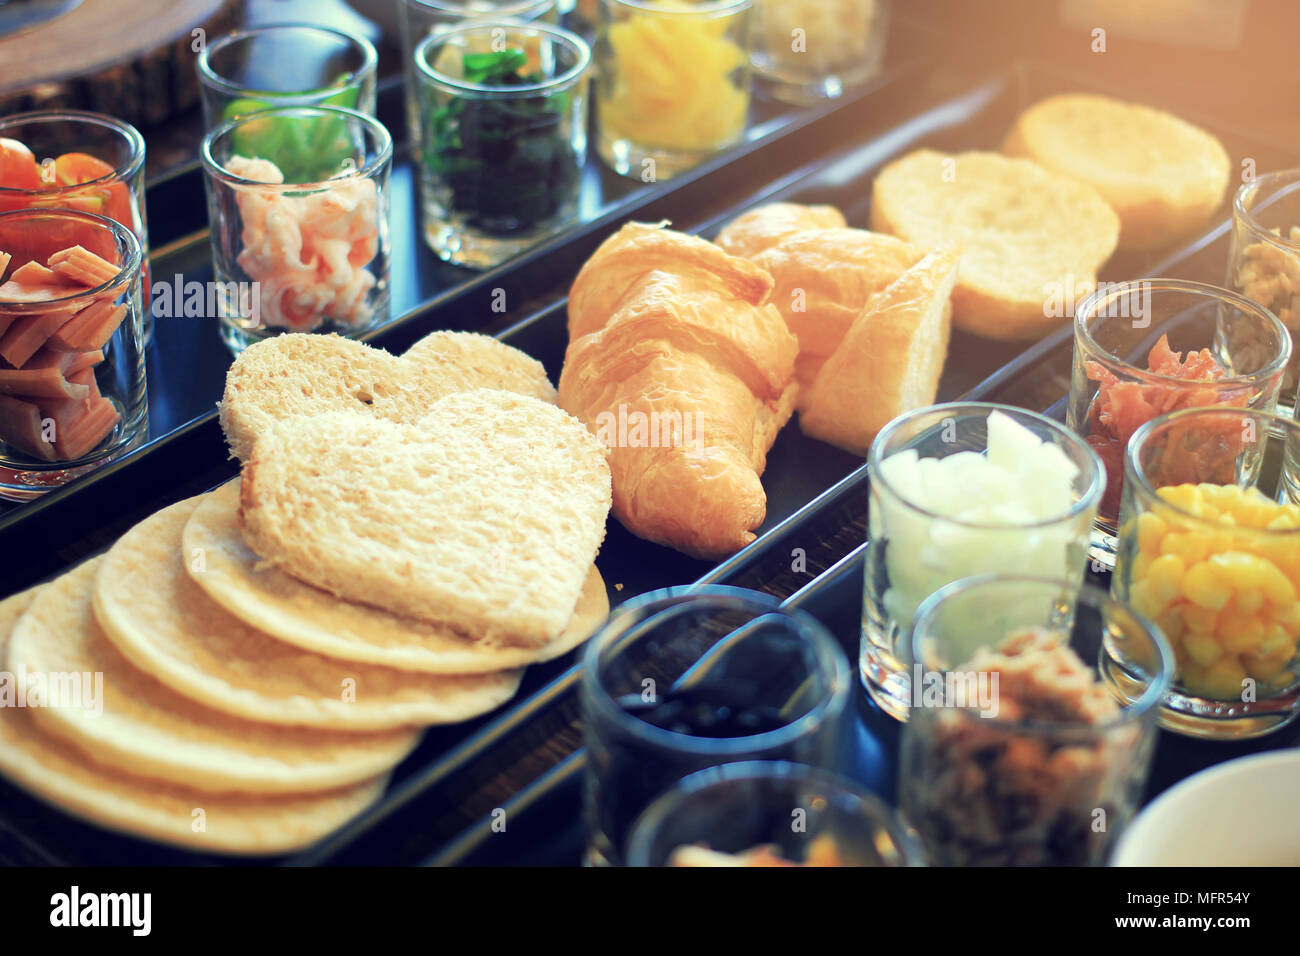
point(503, 130)
point(683, 679)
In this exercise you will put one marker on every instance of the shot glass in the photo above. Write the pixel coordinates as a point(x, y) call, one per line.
point(285, 64)
point(785, 811)
point(1022, 499)
point(504, 110)
point(1032, 741)
point(418, 19)
point(1264, 257)
point(674, 83)
point(680, 680)
point(303, 253)
point(72, 386)
point(1210, 550)
point(88, 162)
point(1155, 345)
point(807, 51)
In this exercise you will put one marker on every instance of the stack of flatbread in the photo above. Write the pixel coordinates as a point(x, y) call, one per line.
point(242, 670)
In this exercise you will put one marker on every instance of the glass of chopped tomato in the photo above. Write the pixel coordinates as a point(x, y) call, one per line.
point(1152, 346)
point(71, 159)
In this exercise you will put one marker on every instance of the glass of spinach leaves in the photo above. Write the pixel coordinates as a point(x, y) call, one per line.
point(503, 127)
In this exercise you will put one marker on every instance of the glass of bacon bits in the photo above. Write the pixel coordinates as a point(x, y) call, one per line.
point(808, 51)
point(680, 680)
point(1031, 736)
point(1264, 260)
point(1152, 346)
point(285, 64)
point(674, 83)
point(305, 250)
point(770, 813)
point(70, 159)
point(1210, 551)
point(72, 370)
point(503, 109)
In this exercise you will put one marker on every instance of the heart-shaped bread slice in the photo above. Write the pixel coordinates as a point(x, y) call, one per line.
point(305, 374)
point(486, 516)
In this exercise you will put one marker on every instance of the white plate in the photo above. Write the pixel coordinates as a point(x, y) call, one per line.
point(1245, 812)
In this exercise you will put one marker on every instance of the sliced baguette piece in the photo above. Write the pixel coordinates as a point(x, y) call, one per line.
point(760, 229)
point(306, 374)
point(486, 516)
point(1030, 238)
point(1164, 177)
point(890, 360)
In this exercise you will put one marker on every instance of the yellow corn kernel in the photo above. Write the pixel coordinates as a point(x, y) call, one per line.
point(1223, 679)
point(1204, 588)
point(1145, 600)
point(1191, 546)
point(1172, 624)
point(1190, 674)
point(1247, 600)
point(1241, 569)
point(1239, 633)
point(1276, 645)
point(1202, 648)
point(1165, 575)
point(1263, 668)
point(1185, 497)
point(1283, 522)
point(1141, 566)
point(1288, 618)
point(1150, 529)
point(1199, 620)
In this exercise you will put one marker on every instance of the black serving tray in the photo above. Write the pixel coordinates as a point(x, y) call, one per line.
point(817, 494)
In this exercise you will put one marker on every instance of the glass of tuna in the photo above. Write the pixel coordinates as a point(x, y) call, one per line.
point(1145, 348)
point(960, 490)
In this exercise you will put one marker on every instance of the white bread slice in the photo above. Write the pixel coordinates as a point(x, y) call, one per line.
point(760, 229)
point(824, 277)
point(890, 360)
point(486, 516)
point(1164, 177)
point(306, 374)
point(1030, 238)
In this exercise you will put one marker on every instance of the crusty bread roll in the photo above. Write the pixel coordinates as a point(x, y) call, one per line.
point(760, 229)
point(1163, 176)
point(687, 379)
point(1032, 240)
point(823, 278)
point(890, 360)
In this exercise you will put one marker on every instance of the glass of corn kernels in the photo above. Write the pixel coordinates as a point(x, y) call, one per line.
point(1209, 535)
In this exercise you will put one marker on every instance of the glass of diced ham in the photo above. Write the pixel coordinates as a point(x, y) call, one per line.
point(72, 369)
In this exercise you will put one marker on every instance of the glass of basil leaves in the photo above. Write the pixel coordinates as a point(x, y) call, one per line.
point(503, 114)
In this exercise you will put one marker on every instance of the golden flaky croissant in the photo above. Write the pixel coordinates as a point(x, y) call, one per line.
point(871, 314)
point(680, 365)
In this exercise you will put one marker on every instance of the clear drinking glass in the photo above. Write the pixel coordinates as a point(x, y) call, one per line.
point(307, 252)
point(1032, 739)
point(1210, 550)
point(1264, 259)
point(674, 83)
point(285, 64)
point(72, 389)
point(679, 680)
point(504, 109)
point(807, 51)
point(804, 814)
point(102, 172)
point(925, 535)
point(1114, 390)
point(418, 19)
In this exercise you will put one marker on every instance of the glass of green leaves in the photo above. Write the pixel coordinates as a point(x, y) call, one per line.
point(288, 64)
point(503, 120)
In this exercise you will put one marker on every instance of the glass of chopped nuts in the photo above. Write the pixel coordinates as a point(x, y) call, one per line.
point(1264, 260)
point(1031, 733)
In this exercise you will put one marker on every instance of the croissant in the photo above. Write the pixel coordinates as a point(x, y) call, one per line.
point(680, 366)
point(760, 229)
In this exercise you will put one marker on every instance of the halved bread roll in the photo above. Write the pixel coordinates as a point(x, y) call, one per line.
point(890, 360)
point(1163, 176)
point(1031, 239)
